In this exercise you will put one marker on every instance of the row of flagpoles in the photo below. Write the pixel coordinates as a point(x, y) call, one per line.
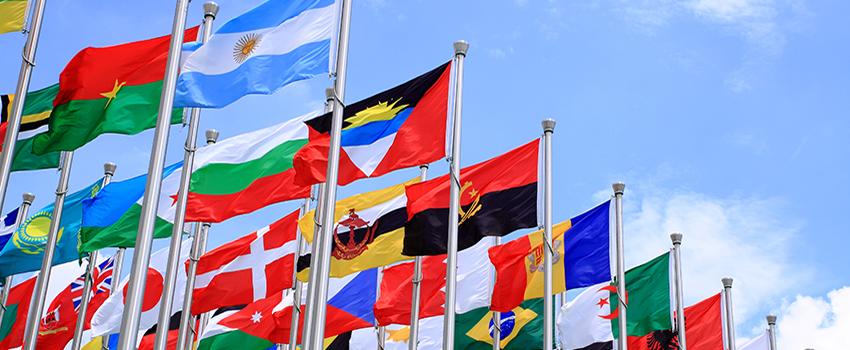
point(317, 288)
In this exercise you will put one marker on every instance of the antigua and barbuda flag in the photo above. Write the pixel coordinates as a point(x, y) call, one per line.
point(264, 49)
point(399, 128)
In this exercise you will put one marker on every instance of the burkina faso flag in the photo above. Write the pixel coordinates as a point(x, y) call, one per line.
point(113, 89)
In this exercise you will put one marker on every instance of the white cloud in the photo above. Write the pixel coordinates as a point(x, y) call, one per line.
point(817, 323)
point(744, 238)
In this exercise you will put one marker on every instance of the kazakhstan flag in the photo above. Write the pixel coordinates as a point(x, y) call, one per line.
point(25, 249)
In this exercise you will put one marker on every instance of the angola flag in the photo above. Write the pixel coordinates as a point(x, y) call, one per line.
point(109, 90)
point(12, 14)
point(498, 196)
point(369, 231)
point(34, 120)
point(399, 128)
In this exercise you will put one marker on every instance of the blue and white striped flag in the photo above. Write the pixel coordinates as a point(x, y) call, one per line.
point(264, 49)
point(7, 226)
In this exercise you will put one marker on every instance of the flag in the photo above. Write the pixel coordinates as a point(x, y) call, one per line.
point(219, 337)
point(497, 197)
point(107, 342)
point(14, 319)
point(396, 298)
point(704, 324)
point(24, 251)
point(57, 327)
point(8, 224)
point(585, 322)
point(270, 46)
point(399, 128)
point(107, 319)
point(148, 338)
point(430, 335)
point(761, 342)
point(253, 267)
point(349, 307)
point(369, 231)
point(581, 259)
point(247, 172)
point(521, 328)
point(12, 14)
point(34, 120)
point(108, 90)
point(111, 218)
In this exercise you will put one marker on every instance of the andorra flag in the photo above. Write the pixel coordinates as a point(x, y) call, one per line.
point(497, 197)
point(399, 128)
point(581, 259)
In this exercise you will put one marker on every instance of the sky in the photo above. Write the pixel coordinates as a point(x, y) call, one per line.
point(726, 119)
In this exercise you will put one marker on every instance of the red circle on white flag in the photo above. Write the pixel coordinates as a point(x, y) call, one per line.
point(152, 292)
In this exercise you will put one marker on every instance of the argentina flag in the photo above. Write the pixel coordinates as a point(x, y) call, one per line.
point(264, 49)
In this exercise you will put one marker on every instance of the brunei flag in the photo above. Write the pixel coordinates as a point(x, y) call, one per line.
point(369, 231)
point(581, 259)
point(399, 128)
point(497, 197)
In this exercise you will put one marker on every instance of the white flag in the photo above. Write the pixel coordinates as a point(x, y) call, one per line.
point(762, 342)
point(585, 320)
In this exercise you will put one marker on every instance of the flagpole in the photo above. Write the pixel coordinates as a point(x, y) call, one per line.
point(43, 279)
point(108, 171)
point(117, 266)
point(622, 340)
point(676, 238)
point(296, 284)
point(497, 316)
point(7, 283)
point(382, 331)
point(730, 320)
point(142, 256)
point(318, 241)
point(461, 47)
point(199, 246)
point(413, 339)
point(548, 300)
point(771, 331)
point(13, 125)
point(321, 289)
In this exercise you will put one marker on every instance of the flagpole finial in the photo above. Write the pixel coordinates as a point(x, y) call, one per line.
point(210, 9)
point(771, 319)
point(727, 282)
point(28, 198)
point(109, 168)
point(618, 187)
point(676, 237)
point(212, 136)
point(329, 93)
point(548, 125)
point(461, 47)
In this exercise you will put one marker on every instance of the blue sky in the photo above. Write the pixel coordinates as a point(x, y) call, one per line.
point(726, 119)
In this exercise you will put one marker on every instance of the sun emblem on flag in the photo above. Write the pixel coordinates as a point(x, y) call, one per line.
point(31, 237)
point(351, 248)
point(245, 46)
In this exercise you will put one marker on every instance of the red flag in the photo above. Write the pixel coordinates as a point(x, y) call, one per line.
point(703, 325)
point(17, 308)
point(393, 307)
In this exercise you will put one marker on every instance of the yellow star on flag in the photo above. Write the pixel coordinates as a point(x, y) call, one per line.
point(111, 94)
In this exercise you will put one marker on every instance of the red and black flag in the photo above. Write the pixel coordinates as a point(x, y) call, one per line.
point(399, 128)
point(497, 197)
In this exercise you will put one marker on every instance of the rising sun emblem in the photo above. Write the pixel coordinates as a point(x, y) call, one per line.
point(245, 47)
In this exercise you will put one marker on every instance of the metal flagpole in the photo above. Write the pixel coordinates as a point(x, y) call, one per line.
point(43, 279)
point(142, 256)
point(315, 341)
point(413, 339)
point(497, 316)
point(318, 241)
point(460, 47)
point(7, 283)
point(199, 246)
point(171, 269)
point(771, 331)
point(13, 125)
point(382, 331)
point(680, 301)
point(108, 171)
point(296, 284)
point(116, 270)
point(548, 300)
point(730, 320)
point(622, 340)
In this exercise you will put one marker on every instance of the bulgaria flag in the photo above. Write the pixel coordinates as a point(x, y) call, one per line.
point(34, 120)
point(581, 259)
point(105, 90)
point(246, 172)
point(253, 267)
point(111, 218)
point(498, 196)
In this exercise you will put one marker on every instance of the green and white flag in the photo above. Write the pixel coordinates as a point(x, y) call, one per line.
point(219, 337)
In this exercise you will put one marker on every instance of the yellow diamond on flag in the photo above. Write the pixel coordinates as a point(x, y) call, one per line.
point(511, 323)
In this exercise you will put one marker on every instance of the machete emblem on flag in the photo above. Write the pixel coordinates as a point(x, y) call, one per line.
point(475, 207)
point(31, 237)
point(351, 248)
point(245, 47)
point(535, 259)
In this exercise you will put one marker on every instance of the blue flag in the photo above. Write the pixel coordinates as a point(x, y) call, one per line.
point(262, 50)
point(7, 226)
point(25, 249)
